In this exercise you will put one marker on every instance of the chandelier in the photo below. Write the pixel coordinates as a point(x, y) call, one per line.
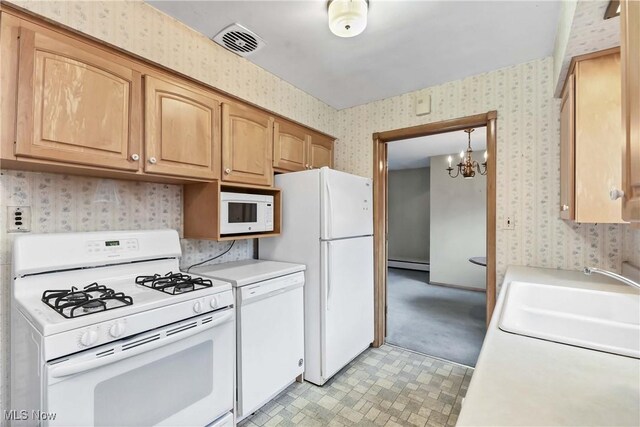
point(467, 166)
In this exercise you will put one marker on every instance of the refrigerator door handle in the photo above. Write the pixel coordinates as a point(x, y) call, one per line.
point(329, 217)
point(328, 275)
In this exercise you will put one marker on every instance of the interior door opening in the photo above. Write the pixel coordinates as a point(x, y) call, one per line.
point(386, 255)
point(436, 247)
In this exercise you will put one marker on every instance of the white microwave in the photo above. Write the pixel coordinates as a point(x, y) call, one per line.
point(245, 213)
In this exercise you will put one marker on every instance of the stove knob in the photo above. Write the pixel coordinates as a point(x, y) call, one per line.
point(214, 302)
point(88, 338)
point(197, 307)
point(116, 330)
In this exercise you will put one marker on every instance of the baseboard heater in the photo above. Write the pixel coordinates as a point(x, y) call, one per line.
point(409, 265)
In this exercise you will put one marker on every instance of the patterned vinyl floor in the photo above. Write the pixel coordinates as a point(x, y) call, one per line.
point(387, 386)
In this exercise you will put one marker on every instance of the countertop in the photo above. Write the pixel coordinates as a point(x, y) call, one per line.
point(526, 381)
point(246, 272)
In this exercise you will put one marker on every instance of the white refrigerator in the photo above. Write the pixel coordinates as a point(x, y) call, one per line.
point(327, 223)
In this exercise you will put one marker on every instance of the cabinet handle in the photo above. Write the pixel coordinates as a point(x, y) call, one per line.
point(227, 171)
point(306, 166)
point(565, 207)
point(153, 160)
point(615, 194)
point(135, 157)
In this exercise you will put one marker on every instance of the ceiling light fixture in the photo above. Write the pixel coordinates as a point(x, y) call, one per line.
point(467, 166)
point(347, 18)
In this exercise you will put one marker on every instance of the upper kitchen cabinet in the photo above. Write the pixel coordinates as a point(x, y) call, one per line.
point(630, 50)
point(247, 145)
point(290, 146)
point(567, 144)
point(296, 148)
point(320, 152)
point(76, 104)
point(591, 139)
point(182, 129)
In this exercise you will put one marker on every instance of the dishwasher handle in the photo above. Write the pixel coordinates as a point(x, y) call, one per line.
point(271, 288)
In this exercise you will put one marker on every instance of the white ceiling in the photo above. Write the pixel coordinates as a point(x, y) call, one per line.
point(407, 45)
point(417, 152)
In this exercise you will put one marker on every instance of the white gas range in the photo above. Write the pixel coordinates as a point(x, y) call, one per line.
point(106, 330)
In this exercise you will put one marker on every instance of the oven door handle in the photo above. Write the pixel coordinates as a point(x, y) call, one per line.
point(72, 369)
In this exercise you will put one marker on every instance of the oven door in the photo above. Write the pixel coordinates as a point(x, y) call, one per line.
point(180, 374)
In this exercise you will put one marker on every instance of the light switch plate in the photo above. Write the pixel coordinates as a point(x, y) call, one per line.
point(18, 219)
point(423, 104)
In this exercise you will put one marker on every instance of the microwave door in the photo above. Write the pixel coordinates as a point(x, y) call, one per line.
point(239, 217)
point(245, 213)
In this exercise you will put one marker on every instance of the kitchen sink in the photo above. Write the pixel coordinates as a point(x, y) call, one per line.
point(594, 319)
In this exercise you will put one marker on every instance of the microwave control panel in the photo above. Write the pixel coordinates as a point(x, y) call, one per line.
point(268, 217)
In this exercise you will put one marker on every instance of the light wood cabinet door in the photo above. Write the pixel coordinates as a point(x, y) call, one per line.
point(630, 50)
point(182, 130)
point(247, 145)
point(567, 144)
point(320, 152)
point(290, 146)
point(598, 139)
point(76, 104)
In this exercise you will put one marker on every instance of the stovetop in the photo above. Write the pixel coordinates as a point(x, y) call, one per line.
point(174, 283)
point(119, 281)
point(93, 298)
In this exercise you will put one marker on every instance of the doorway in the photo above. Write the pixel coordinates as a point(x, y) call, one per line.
point(380, 182)
point(436, 245)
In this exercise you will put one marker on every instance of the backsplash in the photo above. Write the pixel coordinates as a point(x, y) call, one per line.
point(528, 164)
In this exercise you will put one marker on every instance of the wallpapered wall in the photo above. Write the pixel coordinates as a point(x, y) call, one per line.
point(588, 33)
point(528, 141)
point(527, 163)
point(68, 203)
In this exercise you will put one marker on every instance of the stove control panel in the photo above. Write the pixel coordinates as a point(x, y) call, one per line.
point(117, 329)
point(111, 246)
point(205, 304)
point(113, 330)
point(88, 338)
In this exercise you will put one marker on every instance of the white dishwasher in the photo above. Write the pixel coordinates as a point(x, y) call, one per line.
point(269, 327)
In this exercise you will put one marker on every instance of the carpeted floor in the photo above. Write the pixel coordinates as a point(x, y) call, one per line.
point(439, 321)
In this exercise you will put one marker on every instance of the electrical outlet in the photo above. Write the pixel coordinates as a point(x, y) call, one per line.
point(509, 223)
point(19, 219)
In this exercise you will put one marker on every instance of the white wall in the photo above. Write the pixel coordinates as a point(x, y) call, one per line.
point(409, 215)
point(458, 226)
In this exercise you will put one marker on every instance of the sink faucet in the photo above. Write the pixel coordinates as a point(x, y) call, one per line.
point(589, 270)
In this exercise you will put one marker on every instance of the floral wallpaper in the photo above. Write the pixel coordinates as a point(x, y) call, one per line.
point(528, 149)
point(528, 164)
point(589, 32)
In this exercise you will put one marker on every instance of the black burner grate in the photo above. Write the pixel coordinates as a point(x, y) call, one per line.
point(174, 283)
point(93, 298)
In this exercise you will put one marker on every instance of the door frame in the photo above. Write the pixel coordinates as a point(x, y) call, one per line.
point(380, 223)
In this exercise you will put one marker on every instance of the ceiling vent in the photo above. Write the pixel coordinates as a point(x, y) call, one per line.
point(240, 40)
